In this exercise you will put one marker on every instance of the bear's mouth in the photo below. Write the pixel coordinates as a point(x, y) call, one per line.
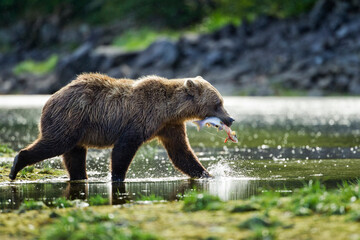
point(227, 121)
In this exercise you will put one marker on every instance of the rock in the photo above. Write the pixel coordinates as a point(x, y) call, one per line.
point(123, 71)
point(161, 54)
point(49, 33)
point(324, 82)
point(354, 87)
point(228, 31)
point(342, 82)
point(319, 12)
point(111, 57)
point(212, 58)
point(315, 92)
point(316, 52)
point(348, 30)
point(76, 63)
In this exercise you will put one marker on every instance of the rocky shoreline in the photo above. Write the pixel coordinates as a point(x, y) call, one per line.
point(317, 53)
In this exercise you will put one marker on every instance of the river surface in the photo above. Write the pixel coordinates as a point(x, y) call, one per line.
point(283, 143)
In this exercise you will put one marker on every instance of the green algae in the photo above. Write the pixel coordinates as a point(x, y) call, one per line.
point(88, 224)
point(29, 173)
point(98, 200)
point(195, 201)
point(6, 151)
point(169, 221)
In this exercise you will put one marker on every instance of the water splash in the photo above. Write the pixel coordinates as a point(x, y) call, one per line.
point(221, 169)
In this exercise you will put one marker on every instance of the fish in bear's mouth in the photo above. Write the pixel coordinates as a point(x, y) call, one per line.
point(217, 123)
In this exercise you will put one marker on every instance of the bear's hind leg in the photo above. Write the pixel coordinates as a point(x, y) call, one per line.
point(40, 150)
point(75, 163)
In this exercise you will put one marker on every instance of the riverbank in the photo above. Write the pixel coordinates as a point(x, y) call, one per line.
point(312, 54)
point(30, 173)
point(311, 212)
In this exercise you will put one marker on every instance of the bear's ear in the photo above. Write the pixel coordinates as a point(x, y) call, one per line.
point(201, 78)
point(190, 87)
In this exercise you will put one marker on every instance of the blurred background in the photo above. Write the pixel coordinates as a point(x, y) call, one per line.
point(244, 47)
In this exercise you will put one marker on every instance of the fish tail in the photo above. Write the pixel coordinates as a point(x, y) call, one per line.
point(199, 124)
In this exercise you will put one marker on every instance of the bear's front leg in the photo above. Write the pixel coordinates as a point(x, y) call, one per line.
point(175, 140)
point(122, 154)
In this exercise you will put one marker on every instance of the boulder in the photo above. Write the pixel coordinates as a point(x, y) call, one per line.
point(74, 64)
point(161, 54)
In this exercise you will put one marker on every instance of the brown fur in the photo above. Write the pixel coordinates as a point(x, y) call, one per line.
point(99, 111)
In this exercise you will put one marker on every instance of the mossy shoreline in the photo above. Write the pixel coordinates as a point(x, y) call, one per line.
point(311, 212)
point(30, 173)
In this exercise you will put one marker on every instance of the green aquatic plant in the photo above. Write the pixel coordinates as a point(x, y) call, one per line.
point(262, 226)
point(245, 207)
point(98, 200)
point(31, 205)
point(46, 170)
point(5, 165)
point(196, 201)
point(88, 225)
point(26, 171)
point(267, 199)
point(315, 198)
point(39, 68)
point(63, 203)
point(5, 150)
point(262, 233)
point(151, 198)
point(354, 216)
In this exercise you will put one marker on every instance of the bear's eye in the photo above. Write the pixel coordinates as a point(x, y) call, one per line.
point(217, 106)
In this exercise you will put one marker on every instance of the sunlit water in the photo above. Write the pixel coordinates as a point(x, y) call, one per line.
point(283, 142)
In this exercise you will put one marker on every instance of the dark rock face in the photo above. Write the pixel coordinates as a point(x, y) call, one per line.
point(317, 53)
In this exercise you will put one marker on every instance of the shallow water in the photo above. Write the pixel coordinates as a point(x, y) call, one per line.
point(283, 142)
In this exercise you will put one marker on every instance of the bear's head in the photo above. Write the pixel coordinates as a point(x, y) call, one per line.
point(204, 100)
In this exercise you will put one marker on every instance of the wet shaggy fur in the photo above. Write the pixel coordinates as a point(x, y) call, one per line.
point(100, 112)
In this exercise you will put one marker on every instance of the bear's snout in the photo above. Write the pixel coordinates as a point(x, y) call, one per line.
point(228, 121)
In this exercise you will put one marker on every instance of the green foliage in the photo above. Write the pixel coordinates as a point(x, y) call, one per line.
point(31, 205)
point(311, 199)
point(250, 9)
point(39, 68)
point(170, 14)
point(63, 203)
point(151, 198)
point(262, 233)
point(266, 200)
point(98, 200)
point(215, 21)
point(13, 10)
point(355, 216)
point(5, 150)
point(261, 226)
point(88, 225)
point(26, 171)
point(314, 198)
point(5, 165)
point(140, 39)
point(173, 14)
point(245, 207)
point(195, 201)
point(46, 170)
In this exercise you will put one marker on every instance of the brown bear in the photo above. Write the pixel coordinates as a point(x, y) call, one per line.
point(98, 111)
